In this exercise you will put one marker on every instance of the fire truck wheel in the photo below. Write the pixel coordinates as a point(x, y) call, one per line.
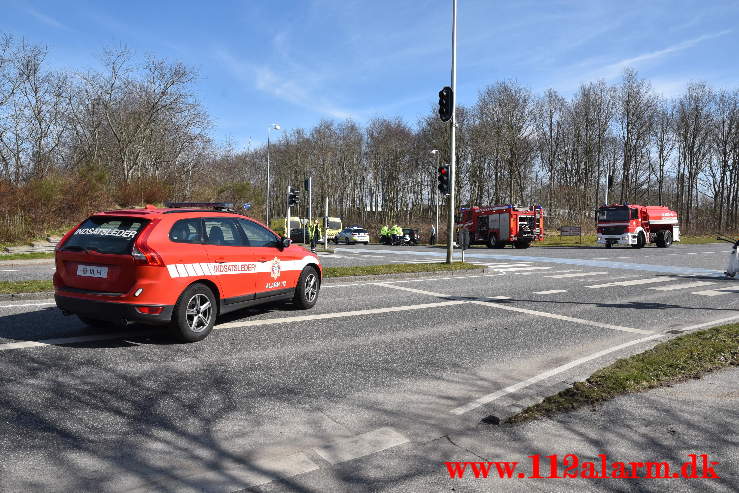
point(640, 241)
point(522, 244)
point(664, 239)
point(609, 244)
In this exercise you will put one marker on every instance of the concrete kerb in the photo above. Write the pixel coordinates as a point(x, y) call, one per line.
point(41, 295)
point(406, 275)
point(30, 261)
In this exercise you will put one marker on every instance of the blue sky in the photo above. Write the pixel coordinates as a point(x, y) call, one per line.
point(298, 61)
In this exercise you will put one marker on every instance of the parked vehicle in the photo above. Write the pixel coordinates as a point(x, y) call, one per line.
point(182, 266)
point(334, 227)
point(352, 235)
point(637, 225)
point(410, 237)
point(500, 225)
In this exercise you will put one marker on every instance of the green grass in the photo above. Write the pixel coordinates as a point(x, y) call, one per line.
point(16, 287)
point(26, 256)
point(374, 270)
point(684, 357)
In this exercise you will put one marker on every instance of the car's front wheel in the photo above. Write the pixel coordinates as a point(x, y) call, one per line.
point(194, 314)
point(306, 292)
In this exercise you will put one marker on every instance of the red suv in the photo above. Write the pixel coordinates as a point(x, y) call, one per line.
point(182, 265)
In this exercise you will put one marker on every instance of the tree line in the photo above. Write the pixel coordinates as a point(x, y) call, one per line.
point(133, 132)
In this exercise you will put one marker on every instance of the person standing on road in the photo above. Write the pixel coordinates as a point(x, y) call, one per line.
point(314, 231)
point(432, 237)
point(396, 233)
point(384, 234)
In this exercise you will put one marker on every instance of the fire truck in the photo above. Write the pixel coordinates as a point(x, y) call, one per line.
point(499, 225)
point(637, 225)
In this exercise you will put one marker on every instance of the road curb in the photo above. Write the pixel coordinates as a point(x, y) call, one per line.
point(41, 295)
point(29, 261)
point(406, 275)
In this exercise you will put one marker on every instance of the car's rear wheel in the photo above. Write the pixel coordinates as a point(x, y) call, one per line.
point(194, 314)
point(306, 292)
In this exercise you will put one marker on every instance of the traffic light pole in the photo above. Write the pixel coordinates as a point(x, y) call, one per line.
point(452, 147)
point(287, 221)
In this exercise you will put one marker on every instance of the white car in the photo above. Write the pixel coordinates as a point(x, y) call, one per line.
point(352, 235)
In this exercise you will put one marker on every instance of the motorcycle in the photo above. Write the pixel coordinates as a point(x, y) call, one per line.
point(733, 265)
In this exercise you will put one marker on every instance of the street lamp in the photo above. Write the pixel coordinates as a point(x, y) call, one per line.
point(274, 126)
point(436, 152)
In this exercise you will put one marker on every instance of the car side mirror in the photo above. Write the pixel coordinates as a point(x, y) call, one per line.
point(284, 243)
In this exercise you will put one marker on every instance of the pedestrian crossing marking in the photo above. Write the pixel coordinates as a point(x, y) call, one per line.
point(577, 274)
point(683, 285)
point(633, 282)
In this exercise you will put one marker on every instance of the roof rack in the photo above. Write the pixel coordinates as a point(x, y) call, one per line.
point(219, 206)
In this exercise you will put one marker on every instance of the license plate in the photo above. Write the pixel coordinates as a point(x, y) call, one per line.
point(92, 271)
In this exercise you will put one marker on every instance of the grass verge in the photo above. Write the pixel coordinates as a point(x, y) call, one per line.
point(684, 357)
point(16, 287)
point(375, 270)
point(26, 256)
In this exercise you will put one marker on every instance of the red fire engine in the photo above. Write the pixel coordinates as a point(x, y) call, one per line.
point(637, 225)
point(499, 225)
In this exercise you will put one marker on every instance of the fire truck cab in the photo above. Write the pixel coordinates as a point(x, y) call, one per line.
point(500, 225)
point(637, 225)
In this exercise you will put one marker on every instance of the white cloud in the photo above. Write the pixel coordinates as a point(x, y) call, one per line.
point(45, 19)
point(300, 91)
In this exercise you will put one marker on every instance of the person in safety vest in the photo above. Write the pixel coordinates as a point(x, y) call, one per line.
point(396, 232)
point(314, 232)
point(384, 234)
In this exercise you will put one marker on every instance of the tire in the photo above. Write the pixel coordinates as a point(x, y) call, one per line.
point(664, 239)
point(609, 244)
point(641, 240)
point(306, 292)
point(194, 314)
point(522, 244)
point(491, 241)
point(336, 240)
point(93, 322)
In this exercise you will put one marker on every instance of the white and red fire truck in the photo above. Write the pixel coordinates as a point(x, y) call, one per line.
point(637, 225)
point(499, 225)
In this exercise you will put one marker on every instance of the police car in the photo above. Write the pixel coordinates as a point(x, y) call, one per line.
point(182, 265)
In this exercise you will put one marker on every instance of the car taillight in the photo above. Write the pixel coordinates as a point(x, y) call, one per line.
point(150, 310)
point(141, 252)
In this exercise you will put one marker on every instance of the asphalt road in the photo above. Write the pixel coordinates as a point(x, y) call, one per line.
point(710, 256)
point(284, 398)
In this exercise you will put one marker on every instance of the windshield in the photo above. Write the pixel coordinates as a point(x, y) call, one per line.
point(358, 231)
point(334, 224)
point(112, 235)
point(613, 214)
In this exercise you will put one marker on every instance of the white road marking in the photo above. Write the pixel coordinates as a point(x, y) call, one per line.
point(517, 269)
point(709, 324)
point(486, 399)
point(717, 292)
point(9, 270)
point(556, 316)
point(520, 264)
point(692, 253)
point(601, 258)
point(327, 316)
point(622, 257)
point(28, 304)
point(499, 297)
point(683, 285)
point(634, 282)
point(577, 274)
point(361, 445)
point(66, 340)
point(551, 291)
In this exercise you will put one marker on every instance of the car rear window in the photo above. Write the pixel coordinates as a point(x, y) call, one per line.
point(359, 231)
point(112, 235)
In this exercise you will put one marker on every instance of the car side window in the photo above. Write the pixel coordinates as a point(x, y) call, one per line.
point(222, 231)
point(257, 235)
point(187, 231)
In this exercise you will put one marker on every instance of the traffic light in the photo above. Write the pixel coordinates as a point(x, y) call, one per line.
point(446, 103)
point(293, 197)
point(444, 179)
